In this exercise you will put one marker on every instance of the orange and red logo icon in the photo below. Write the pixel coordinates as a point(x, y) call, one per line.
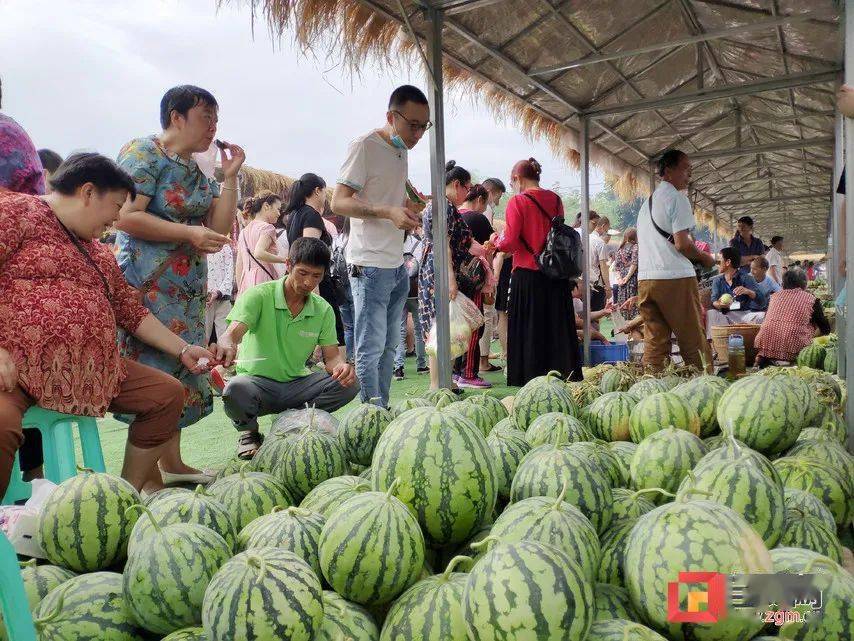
point(703, 606)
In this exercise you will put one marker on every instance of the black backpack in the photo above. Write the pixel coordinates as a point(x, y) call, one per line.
point(562, 257)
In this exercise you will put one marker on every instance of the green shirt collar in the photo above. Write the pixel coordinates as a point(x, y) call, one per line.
point(308, 310)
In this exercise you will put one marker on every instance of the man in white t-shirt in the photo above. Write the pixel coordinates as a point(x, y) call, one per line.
point(668, 298)
point(371, 190)
point(774, 256)
point(598, 265)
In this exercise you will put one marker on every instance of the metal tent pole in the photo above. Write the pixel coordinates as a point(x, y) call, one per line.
point(836, 256)
point(439, 202)
point(715, 239)
point(585, 230)
point(847, 343)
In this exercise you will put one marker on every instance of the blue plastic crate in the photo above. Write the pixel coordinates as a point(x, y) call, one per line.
point(600, 353)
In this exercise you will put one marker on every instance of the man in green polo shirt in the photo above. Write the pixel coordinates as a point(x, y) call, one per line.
point(278, 324)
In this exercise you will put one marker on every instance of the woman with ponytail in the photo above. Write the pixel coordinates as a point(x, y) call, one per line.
point(256, 246)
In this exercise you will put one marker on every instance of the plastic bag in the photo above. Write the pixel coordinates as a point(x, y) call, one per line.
point(465, 318)
point(297, 420)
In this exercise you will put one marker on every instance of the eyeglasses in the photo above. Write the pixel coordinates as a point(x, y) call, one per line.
point(414, 126)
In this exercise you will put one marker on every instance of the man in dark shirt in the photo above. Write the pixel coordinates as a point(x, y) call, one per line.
point(735, 296)
point(748, 245)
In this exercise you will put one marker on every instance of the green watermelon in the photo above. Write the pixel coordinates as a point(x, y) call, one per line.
point(264, 593)
point(660, 411)
point(545, 428)
point(197, 507)
point(621, 630)
point(84, 524)
point(360, 430)
point(612, 602)
point(272, 451)
point(761, 412)
point(612, 543)
point(813, 388)
point(805, 531)
point(806, 503)
point(629, 504)
point(38, 581)
point(831, 360)
point(509, 447)
point(166, 492)
point(345, 620)
point(446, 470)
point(545, 471)
point(646, 387)
point(248, 495)
point(479, 415)
point(167, 573)
point(431, 610)
point(691, 536)
point(326, 497)
point(730, 449)
point(832, 422)
point(623, 451)
point(407, 404)
point(496, 409)
point(610, 462)
point(830, 453)
point(703, 394)
point(812, 356)
point(714, 442)
point(371, 548)
point(311, 458)
point(366, 474)
point(187, 634)
point(505, 424)
point(814, 434)
point(554, 595)
point(616, 379)
point(826, 482)
point(553, 522)
point(89, 607)
point(609, 415)
point(295, 529)
point(440, 398)
point(539, 396)
point(470, 555)
point(664, 458)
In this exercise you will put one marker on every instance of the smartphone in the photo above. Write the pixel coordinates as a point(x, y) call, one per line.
point(219, 143)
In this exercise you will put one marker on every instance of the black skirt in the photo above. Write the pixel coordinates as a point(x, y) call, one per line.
point(502, 291)
point(541, 329)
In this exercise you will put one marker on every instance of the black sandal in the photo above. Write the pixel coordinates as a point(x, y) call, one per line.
point(248, 444)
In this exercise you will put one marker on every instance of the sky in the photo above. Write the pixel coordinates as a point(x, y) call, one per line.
point(89, 74)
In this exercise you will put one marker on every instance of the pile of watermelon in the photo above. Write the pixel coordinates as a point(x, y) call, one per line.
point(822, 354)
point(563, 519)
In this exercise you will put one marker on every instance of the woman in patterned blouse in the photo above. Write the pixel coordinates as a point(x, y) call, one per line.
point(62, 297)
point(178, 216)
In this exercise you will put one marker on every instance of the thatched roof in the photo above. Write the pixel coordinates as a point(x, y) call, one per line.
point(253, 180)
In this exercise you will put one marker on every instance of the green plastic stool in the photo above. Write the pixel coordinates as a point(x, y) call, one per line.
point(13, 599)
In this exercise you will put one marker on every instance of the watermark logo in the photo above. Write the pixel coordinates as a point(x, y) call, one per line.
point(706, 605)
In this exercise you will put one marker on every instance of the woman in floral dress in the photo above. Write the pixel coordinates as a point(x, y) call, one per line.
point(626, 264)
point(178, 217)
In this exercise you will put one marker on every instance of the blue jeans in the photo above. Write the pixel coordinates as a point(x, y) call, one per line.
point(346, 309)
point(378, 298)
point(411, 305)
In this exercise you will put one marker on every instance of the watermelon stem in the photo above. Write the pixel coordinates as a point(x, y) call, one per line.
point(200, 491)
point(87, 470)
point(30, 563)
point(242, 470)
point(485, 543)
point(453, 563)
point(299, 511)
point(391, 488)
point(139, 507)
point(43, 621)
point(561, 496)
point(650, 490)
point(258, 562)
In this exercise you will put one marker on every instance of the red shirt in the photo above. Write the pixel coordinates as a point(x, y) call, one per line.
point(56, 320)
point(524, 220)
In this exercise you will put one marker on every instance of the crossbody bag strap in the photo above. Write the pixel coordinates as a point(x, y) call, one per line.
point(257, 262)
point(543, 212)
point(668, 237)
point(86, 256)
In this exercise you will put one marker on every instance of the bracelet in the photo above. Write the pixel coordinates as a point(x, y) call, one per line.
point(183, 351)
point(224, 188)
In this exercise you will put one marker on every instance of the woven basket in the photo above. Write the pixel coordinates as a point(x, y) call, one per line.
point(720, 338)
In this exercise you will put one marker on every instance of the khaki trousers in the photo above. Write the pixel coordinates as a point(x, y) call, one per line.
point(673, 307)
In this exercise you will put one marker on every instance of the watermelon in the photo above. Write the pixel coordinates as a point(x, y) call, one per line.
point(188, 634)
point(554, 593)
point(295, 529)
point(198, 508)
point(703, 394)
point(545, 428)
point(407, 404)
point(828, 452)
point(446, 469)
point(468, 554)
point(814, 434)
point(431, 610)
point(345, 620)
point(812, 356)
point(232, 467)
point(659, 411)
point(714, 442)
point(479, 415)
point(84, 524)
point(825, 482)
point(360, 430)
point(270, 453)
point(89, 607)
point(168, 571)
point(811, 533)
point(612, 543)
point(545, 471)
point(616, 379)
point(806, 503)
point(761, 412)
point(38, 581)
point(583, 393)
point(496, 409)
point(691, 536)
point(811, 387)
point(832, 422)
point(664, 458)
point(623, 451)
point(730, 449)
point(646, 387)
point(620, 629)
point(631, 505)
point(539, 396)
point(166, 492)
point(311, 458)
point(508, 447)
point(440, 398)
point(612, 602)
point(248, 495)
point(744, 488)
point(831, 360)
point(505, 424)
point(552, 522)
point(264, 593)
point(609, 415)
point(371, 548)
point(326, 497)
point(295, 421)
point(366, 474)
point(610, 462)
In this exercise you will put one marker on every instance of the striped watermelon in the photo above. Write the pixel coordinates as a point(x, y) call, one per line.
point(188, 634)
point(197, 507)
point(714, 442)
point(360, 430)
point(371, 548)
point(624, 451)
point(646, 387)
point(505, 424)
point(471, 555)
point(366, 474)
point(545, 428)
point(167, 492)
point(270, 453)
point(664, 458)
point(479, 415)
point(509, 447)
point(89, 607)
point(84, 524)
point(825, 482)
point(811, 387)
point(609, 415)
point(38, 581)
point(812, 356)
point(248, 495)
point(703, 394)
point(345, 620)
point(312, 458)
point(616, 379)
point(815, 434)
point(552, 522)
point(691, 536)
point(730, 449)
point(440, 398)
point(295, 529)
point(545, 469)
point(539, 396)
point(494, 406)
point(808, 532)
point(326, 497)
point(265, 593)
point(808, 504)
point(446, 470)
point(831, 421)
point(612, 602)
point(761, 412)
point(632, 505)
point(431, 610)
point(609, 461)
point(830, 453)
point(659, 411)
point(407, 404)
point(621, 630)
point(671, 381)
point(831, 359)
point(555, 594)
point(612, 543)
point(232, 467)
point(167, 573)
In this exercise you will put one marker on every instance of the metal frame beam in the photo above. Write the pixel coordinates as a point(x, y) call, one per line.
point(451, 7)
point(776, 199)
point(760, 149)
point(585, 232)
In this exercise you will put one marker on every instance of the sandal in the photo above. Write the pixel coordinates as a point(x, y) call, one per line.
point(248, 444)
point(491, 368)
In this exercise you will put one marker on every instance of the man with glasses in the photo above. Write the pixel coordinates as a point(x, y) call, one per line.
point(371, 190)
